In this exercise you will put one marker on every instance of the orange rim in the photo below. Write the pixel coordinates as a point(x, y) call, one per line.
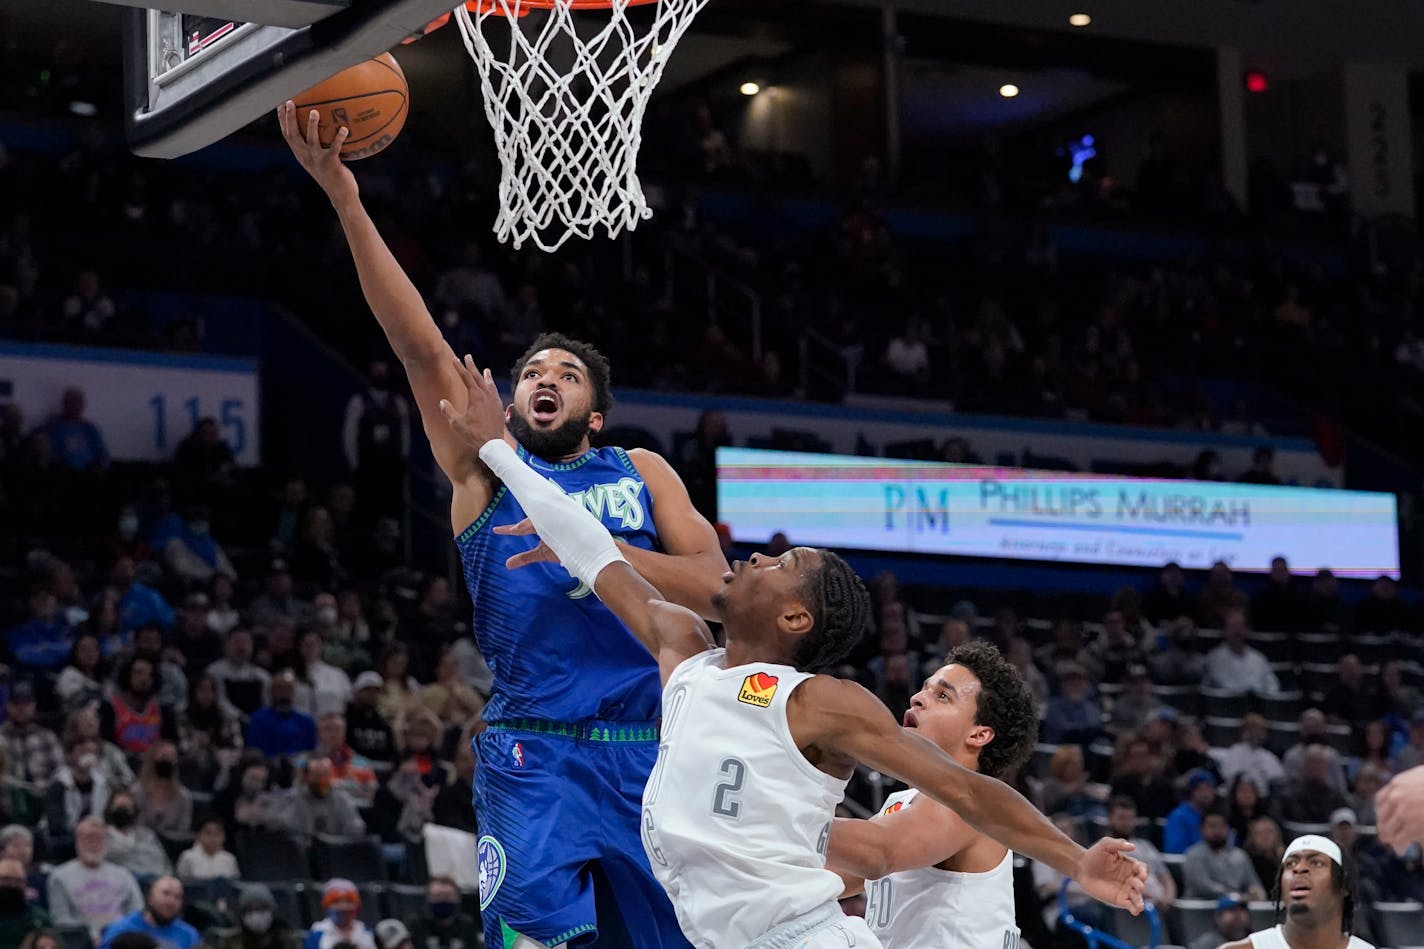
point(494, 6)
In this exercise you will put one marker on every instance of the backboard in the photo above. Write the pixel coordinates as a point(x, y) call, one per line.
point(195, 75)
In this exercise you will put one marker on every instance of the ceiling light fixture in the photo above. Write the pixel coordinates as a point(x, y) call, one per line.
point(1008, 90)
point(750, 88)
point(1079, 19)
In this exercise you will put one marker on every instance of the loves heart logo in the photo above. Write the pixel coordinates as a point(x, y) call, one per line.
point(758, 689)
point(894, 807)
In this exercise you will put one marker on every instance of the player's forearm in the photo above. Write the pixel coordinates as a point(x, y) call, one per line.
point(396, 303)
point(685, 579)
point(856, 848)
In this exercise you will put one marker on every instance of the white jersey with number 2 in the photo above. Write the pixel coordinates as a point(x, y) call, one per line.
point(735, 819)
point(1275, 938)
point(931, 908)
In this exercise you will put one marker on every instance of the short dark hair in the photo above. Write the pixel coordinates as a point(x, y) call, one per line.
point(1121, 801)
point(599, 372)
point(1005, 705)
point(840, 610)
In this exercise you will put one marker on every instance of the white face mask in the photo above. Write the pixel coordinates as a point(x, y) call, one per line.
point(257, 921)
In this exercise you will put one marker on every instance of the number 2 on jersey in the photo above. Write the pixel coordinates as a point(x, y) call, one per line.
point(727, 800)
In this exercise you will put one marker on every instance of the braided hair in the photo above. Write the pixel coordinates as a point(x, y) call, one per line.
point(840, 612)
point(1342, 875)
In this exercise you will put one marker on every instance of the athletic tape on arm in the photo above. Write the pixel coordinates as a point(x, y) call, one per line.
point(580, 540)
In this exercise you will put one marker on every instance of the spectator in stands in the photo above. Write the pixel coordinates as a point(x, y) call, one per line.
point(1047, 882)
point(1072, 716)
point(1231, 923)
point(1069, 790)
point(1122, 822)
point(1137, 703)
point(222, 616)
point(1244, 803)
point(1349, 700)
point(133, 846)
point(376, 439)
point(1410, 756)
point(259, 926)
point(1250, 758)
point(1393, 696)
point(1312, 734)
point(1382, 611)
point(1139, 776)
point(32, 751)
point(163, 803)
point(1324, 609)
point(454, 805)
point(1115, 650)
point(1279, 607)
point(172, 689)
point(1066, 645)
point(278, 728)
point(1168, 599)
point(1020, 656)
point(350, 772)
point(19, 916)
point(330, 686)
point(370, 732)
point(341, 901)
point(1236, 667)
point(399, 690)
point(127, 539)
point(81, 683)
point(161, 917)
point(1310, 797)
point(208, 739)
point(204, 465)
point(76, 442)
point(316, 561)
point(1265, 846)
point(1184, 824)
point(1219, 594)
point(313, 805)
point(133, 718)
point(18, 843)
point(242, 684)
point(1177, 661)
point(1213, 867)
point(139, 605)
point(278, 598)
point(243, 803)
point(1368, 781)
point(449, 698)
point(89, 890)
point(393, 934)
point(1367, 854)
point(88, 309)
point(206, 859)
point(194, 555)
point(443, 925)
point(112, 763)
point(79, 788)
point(196, 646)
point(430, 626)
point(45, 639)
point(1263, 468)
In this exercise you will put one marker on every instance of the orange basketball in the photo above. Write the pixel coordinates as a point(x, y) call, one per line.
point(371, 99)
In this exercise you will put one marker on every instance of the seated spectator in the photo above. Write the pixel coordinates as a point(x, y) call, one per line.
point(1139, 776)
point(76, 442)
point(454, 804)
point(278, 728)
point(45, 640)
point(1183, 828)
point(161, 918)
point(1412, 754)
point(399, 690)
point(1393, 697)
point(112, 763)
point(1020, 656)
point(163, 804)
point(1244, 803)
point(209, 741)
point(341, 901)
point(1372, 743)
point(348, 643)
point(1122, 823)
point(206, 859)
point(79, 788)
point(172, 690)
point(330, 686)
point(1279, 607)
point(18, 843)
point(1177, 661)
point(89, 890)
point(1349, 701)
point(1047, 882)
point(139, 604)
point(19, 915)
point(313, 806)
point(222, 614)
point(1213, 867)
point(133, 846)
point(1112, 653)
point(1168, 600)
point(1324, 609)
point(370, 732)
point(442, 924)
point(1265, 846)
point(1066, 646)
point(1137, 703)
point(1236, 667)
point(1069, 790)
point(32, 752)
point(195, 644)
point(242, 684)
point(1250, 758)
point(259, 926)
point(907, 357)
point(1231, 923)
point(82, 681)
point(19, 803)
point(133, 718)
point(316, 560)
point(127, 539)
point(1072, 716)
point(278, 598)
point(1362, 796)
point(242, 803)
point(449, 698)
point(1312, 734)
point(1218, 595)
point(1382, 611)
point(204, 463)
point(350, 772)
point(194, 556)
point(1310, 798)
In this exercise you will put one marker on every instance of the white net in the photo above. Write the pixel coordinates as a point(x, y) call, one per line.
point(565, 96)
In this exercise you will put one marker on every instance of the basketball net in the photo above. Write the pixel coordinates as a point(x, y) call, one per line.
point(568, 136)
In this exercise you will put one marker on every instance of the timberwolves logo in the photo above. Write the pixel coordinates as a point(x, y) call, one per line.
point(491, 859)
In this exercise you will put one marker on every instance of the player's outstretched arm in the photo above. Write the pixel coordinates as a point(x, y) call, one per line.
point(690, 566)
point(1399, 809)
point(909, 839)
point(844, 719)
point(396, 303)
point(583, 545)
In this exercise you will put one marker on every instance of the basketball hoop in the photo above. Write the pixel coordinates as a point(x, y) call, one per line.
point(566, 106)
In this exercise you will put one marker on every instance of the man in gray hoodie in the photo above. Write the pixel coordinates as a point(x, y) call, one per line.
point(88, 890)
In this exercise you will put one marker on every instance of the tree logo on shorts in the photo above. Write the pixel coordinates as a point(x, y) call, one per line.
point(491, 860)
point(758, 689)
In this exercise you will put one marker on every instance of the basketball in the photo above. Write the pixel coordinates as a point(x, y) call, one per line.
point(371, 99)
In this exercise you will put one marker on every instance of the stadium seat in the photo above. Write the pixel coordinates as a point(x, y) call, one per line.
point(1283, 707)
point(1295, 829)
point(1281, 735)
point(175, 844)
point(404, 901)
point(1226, 704)
point(373, 903)
point(1193, 918)
point(1286, 675)
point(266, 856)
point(1316, 678)
point(1263, 914)
point(1323, 647)
point(74, 937)
point(1041, 758)
point(358, 859)
point(1373, 649)
point(1186, 699)
point(1174, 866)
point(1134, 930)
point(1221, 732)
point(1402, 924)
point(1277, 647)
point(290, 899)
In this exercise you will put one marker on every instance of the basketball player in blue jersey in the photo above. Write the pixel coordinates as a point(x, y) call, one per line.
point(573, 716)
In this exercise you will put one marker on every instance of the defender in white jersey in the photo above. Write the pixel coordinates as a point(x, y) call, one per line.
point(755, 749)
point(931, 880)
point(1315, 893)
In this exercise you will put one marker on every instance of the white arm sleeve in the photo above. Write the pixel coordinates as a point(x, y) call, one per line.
point(580, 540)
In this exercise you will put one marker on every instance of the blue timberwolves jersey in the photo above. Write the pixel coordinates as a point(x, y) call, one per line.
point(556, 651)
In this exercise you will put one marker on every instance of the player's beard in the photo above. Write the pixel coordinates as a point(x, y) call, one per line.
point(551, 444)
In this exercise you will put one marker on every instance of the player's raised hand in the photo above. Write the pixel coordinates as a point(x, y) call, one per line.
point(1399, 810)
point(483, 418)
point(539, 554)
point(1108, 874)
point(323, 164)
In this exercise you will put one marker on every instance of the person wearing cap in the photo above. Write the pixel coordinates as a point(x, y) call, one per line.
point(1072, 716)
point(392, 934)
point(341, 902)
point(258, 925)
point(1213, 866)
point(1366, 852)
point(1250, 757)
point(32, 751)
point(443, 925)
point(1231, 923)
point(1183, 828)
point(242, 683)
point(366, 728)
point(1316, 902)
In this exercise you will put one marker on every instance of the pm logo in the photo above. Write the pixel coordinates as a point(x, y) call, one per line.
point(758, 689)
point(490, 856)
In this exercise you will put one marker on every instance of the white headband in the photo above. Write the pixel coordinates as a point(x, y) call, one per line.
point(1317, 843)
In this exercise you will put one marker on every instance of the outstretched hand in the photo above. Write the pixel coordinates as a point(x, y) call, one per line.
point(1399, 810)
point(323, 164)
point(540, 554)
point(1108, 874)
point(483, 418)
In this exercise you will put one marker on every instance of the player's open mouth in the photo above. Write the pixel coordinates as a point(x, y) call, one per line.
point(910, 720)
point(1299, 892)
point(544, 406)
